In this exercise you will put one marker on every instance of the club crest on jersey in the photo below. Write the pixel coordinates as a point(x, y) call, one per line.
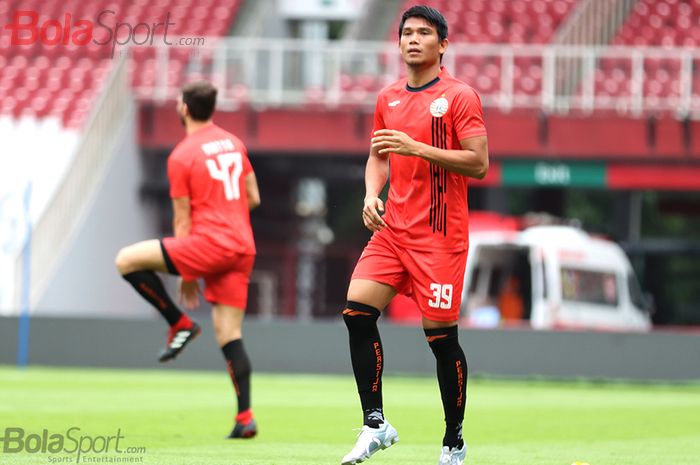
point(439, 107)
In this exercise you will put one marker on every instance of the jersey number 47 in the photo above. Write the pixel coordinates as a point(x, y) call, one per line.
point(221, 171)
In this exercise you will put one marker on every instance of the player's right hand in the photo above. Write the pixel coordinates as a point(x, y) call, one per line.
point(370, 214)
point(188, 294)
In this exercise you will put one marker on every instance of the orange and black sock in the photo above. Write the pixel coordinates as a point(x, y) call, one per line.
point(452, 378)
point(149, 285)
point(239, 369)
point(367, 359)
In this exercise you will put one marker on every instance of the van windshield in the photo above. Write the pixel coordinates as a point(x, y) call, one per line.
point(594, 287)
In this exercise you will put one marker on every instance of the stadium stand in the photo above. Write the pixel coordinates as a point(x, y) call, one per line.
point(669, 23)
point(49, 88)
point(665, 24)
point(482, 22)
point(501, 21)
point(63, 80)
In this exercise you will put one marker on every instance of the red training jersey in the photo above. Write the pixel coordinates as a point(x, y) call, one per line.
point(427, 205)
point(209, 166)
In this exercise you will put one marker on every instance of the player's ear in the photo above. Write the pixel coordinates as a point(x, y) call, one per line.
point(443, 45)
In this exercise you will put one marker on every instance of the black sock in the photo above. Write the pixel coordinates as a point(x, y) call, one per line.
point(239, 369)
point(148, 284)
point(373, 417)
point(452, 378)
point(367, 358)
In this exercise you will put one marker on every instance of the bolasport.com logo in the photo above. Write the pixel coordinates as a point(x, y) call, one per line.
point(28, 27)
point(70, 446)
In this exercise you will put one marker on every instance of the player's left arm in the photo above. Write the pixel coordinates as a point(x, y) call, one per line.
point(251, 188)
point(472, 160)
point(182, 216)
point(179, 178)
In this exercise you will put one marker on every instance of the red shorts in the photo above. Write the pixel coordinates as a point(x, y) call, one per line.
point(226, 274)
point(434, 280)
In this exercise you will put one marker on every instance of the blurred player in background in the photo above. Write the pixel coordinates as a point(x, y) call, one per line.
point(213, 188)
point(429, 128)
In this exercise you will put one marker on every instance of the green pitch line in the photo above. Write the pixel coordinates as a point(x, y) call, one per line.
point(182, 418)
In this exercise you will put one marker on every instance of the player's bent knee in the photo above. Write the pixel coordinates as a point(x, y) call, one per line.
point(120, 261)
point(357, 314)
point(123, 261)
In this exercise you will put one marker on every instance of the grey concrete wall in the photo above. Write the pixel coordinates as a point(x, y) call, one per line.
point(86, 279)
point(291, 347)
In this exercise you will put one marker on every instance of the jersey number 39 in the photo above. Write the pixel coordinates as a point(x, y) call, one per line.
point(221, 168)
point(442, 296)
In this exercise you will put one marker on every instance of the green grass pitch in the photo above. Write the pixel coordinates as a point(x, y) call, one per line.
point(182, 417)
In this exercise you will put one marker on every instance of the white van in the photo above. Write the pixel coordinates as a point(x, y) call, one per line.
point(551, 277)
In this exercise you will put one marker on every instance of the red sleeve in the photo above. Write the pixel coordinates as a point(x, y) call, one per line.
point(378, 116)
point(178, 175)
point(468, 117)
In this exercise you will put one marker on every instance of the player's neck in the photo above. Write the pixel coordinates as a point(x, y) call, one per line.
point(194, 126)
point(420, 76)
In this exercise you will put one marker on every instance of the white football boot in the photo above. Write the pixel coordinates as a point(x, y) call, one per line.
point(453, 456)
point(370, 441)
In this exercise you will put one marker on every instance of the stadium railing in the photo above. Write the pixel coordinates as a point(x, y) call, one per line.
point(275, 73)
point(594, 22)
point(54, 231)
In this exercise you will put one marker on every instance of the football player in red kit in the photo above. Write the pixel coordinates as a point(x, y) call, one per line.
point(429, 128)
point(213, 188)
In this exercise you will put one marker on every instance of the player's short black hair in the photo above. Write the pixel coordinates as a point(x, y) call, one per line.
point(428, 13)
point(200, 98)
